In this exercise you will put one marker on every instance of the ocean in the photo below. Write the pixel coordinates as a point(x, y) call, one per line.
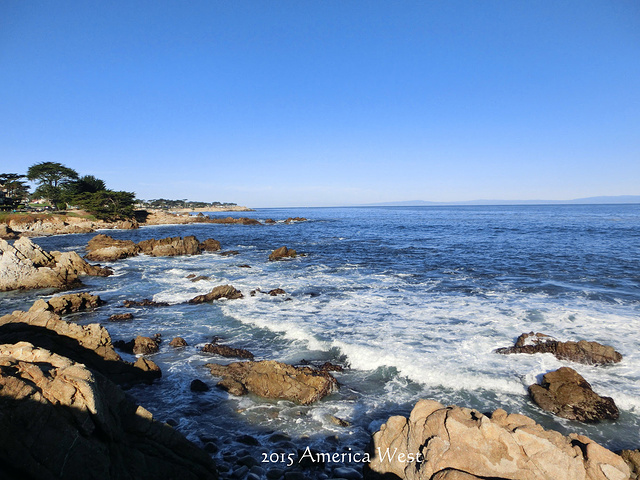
point(413, 300)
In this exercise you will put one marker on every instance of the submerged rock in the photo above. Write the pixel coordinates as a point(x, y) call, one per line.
point(272, 379)
point(58, 419)
point(438, 442)
point(580, 352)
point(276, 291)
point(144, 303)
point(222, 291)
point(226, 351)
point(281, 253)
point(119, 317)
point(24, 265)
point(565, 393)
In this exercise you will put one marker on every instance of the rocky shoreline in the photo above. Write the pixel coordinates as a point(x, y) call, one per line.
point(69, 376)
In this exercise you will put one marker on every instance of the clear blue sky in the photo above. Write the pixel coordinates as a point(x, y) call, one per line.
point(326, 102)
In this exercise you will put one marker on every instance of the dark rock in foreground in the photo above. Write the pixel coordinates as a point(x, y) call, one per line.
point(58, 419)
point(567, 394)
point(281, 253)
point(226, 351)
point(581, 352)
point(272, 379)
point(221, 291)
point(632, 458)
point(455, 443)
point(198, 386)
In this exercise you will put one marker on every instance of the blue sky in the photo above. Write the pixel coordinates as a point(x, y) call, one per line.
point(332, 102)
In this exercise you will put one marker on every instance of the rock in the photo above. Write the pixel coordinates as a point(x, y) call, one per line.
point(221, 291)
point(103, 248)
point(339, 421)
point(580, 352)
point(145, 345)
point(210, 245)
point(295, 219)
point(330, 367)
point(169, 247)
point(6, 233)
point(127, 224)
point(277, 291)
point(226, 351)
point(198, 386)
point(87, 344)
point(24, 265)
point(460, 443)
point(148, 366)
point(282, 252)
point(269, 221)
point(244, 265)
point(144, 303)
point(272, 379)
point(58, 419)
point(123, 346)
point(567, 394)
point(199, 277)
point(229, 253)
point(632, 459)
point(178, 342)
point(70, 303)
point(119, 317)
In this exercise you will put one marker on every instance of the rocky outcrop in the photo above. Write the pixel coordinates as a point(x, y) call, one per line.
point(178, 342)
point(103, 248)
point(6, 233)
point(295, 219)
point(567, 394)
point(171, 246)
point(226, 351)
point(210, 245)
point(454, 443)
point(58, 419)
point(120, 317)
point(282, 253)
point(221, 291)
point(632, 459)
point(145, 345)
point(276, 292)
point(24, 265)
point(146, 302)
point(580, 352)
point(88, 344)
point(272, 379)
point(70, 303)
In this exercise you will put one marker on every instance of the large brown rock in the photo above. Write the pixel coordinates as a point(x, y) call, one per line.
point(438, 442)
point(24, 265)
point(145, 345)
point(6, 233)
point(58, 420)
point(88, 344)
point(103, 248)
point(210, 245)
point(632, 458)
point(281, 253)
point(171, 246)
point(221, 291)
point(565, 393)
point(272, 379)
point(590, 353)
point(70, 303)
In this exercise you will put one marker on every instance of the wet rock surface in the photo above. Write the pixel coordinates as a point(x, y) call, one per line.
point(221, 291)
point(565, 393)
point(107, 249)
point(226, 351)
point(282, 253)
point(143, 303)
point(590, 353)
point(70, 303)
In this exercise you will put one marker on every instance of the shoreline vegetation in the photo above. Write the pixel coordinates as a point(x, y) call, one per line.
point(38, 346)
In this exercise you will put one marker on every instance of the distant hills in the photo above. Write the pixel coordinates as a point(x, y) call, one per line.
point(577, 201)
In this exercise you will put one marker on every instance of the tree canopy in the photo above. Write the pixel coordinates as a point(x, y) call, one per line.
point(50, 177)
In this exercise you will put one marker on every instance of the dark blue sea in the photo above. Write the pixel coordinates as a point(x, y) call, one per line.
point(414, 300)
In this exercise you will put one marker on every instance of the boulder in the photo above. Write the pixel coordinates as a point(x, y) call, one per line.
point(438, 442)
point(103, 248)
point(226, 351)
point(565, 393)
point(70, 303)
point(119, 317)
point(198, 386)
point(632, 458)
point(169, 247)
point(145, 345)
point(178, 342)
point(24, 265)
point(281, 253)
point(6, 233)
point(210, 245)
point(58, 419)
point(590, 353)
point(277, 291)
point(88, 344)
point(269, 221)
point(295, 219)
point(272, 379)
point(221, 291)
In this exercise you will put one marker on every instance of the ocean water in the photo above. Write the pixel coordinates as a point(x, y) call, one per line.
point(414, 300)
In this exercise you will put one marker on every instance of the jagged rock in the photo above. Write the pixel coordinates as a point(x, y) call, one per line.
point(169, 247)
point(103, 248)
point(70, 303)
point(580, 352)
point(199, 277)
point(127, 224)
point(25, 265)
point(295, 219)
point(330, 367)
point(145, 345)
point(88, 344)
point(339, 421)
point(178, 342)
point(632, 459)
point(226, 351)
point(221, 291)
point(119, 317)
point(210, 245)
point(146, 302)
point(6, 233)
point(460, 443)
point(198, 386)
point(565, 393)
point(272, 379)
point(269, 221)
point(58, 419)
point(282, 252)
point(277, 291)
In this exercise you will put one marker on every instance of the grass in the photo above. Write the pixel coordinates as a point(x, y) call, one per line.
point(6, 217)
